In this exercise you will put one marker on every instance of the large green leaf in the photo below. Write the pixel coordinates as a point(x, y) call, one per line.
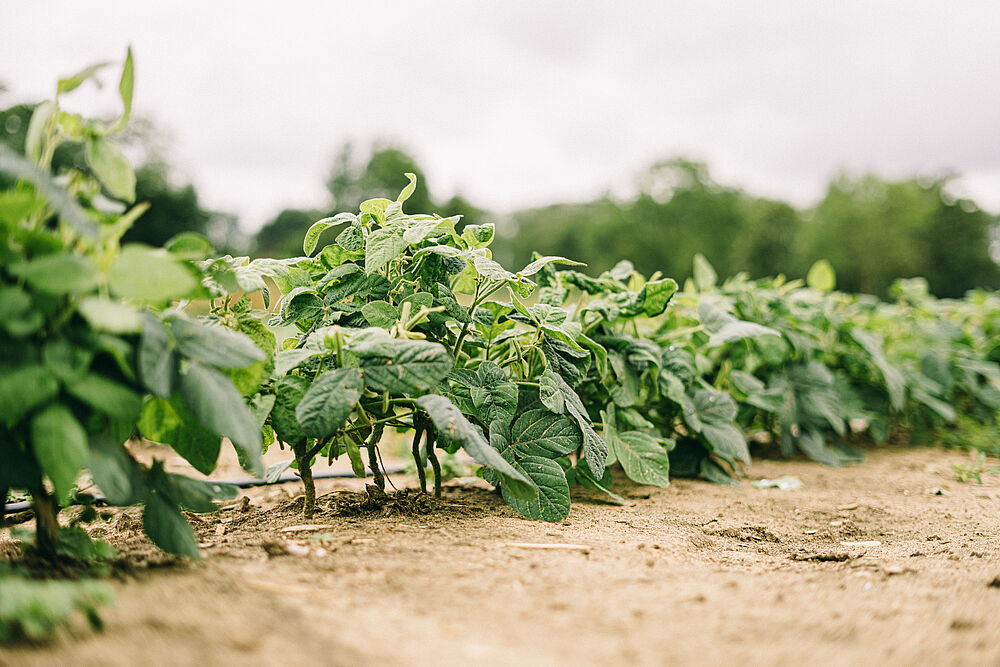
point(403, 366)
point(151, 275)
point(724, 328)
point(171, 423)
point(559, 397)
point(383, 246)
point(289, 392)
point(552, 502)
point(168, 528)
point(115, 472)
point(821, 276)
point(106, 395)
point(488, 392)
point(110, 315)
point(156, 358)
point(643, 458)
point(24, 389)
point(546, 434)
point(214, 345)
point(216, 403)
point(329, 401)
point(60, 446)
point(111, 167)
point(61, 273)
point(452, 426)
point(716, 412)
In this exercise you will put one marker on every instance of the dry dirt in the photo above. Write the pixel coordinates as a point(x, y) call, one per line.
point(691, 574)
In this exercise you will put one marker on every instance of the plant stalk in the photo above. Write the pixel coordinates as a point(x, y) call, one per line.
point(421, 473)
point(303, 460)
point(46, 524)
point(435, 464)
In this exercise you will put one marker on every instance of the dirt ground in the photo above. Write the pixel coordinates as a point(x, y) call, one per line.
point(868, 564)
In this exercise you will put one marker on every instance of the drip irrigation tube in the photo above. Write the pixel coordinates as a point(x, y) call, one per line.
point(244, 483)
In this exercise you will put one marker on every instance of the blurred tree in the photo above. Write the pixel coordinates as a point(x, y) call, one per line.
point(874, 231)
point(351, 182)
point(282, 236)
point(679, 212)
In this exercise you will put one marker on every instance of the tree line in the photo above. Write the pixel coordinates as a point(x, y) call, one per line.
point(871, 230)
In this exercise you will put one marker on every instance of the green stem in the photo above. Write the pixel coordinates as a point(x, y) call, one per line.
point(303, 459)
point(373, 439)
point(46, 523)
point(421, 473)
point(435, 464)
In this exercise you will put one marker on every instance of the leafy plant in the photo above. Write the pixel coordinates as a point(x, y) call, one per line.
point(34, 610)
point(91, 347)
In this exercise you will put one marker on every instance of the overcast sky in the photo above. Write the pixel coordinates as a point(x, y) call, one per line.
point(517, 104)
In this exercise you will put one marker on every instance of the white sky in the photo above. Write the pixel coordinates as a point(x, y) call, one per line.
point(517, 104)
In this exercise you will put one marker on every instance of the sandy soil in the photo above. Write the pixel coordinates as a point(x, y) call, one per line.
point(863, 565)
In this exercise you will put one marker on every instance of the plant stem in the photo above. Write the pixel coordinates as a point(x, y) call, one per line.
point(373, 439)
point(435, 464)
point(303, 460)
point(421, 473)
point(46, 523)
point(465, 326)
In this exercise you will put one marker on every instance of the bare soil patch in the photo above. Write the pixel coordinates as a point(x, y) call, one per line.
point(865, 564)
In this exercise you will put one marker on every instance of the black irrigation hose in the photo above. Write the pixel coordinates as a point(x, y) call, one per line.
point(244, 483)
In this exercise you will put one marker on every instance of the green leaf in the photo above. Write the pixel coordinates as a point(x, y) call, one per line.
point(197, 495)
point(126, 84)
point(111, 167)
point(157, 360)
point(552, 502)
point(408, 189)
point(725, 328)
point(717, 411)
point(171, 423)
point(37, 130)
point(150, 275)
point(704, 275)
point(317, 228)
point(71, 83)
point(452, 426)
point(67, 207)
point(478, 236)
point(114, 471)
point(218, 406)
point(214, 345)
point(189, 245)
point(821, 276)
point(540, 263)
point(61, 273)
point(402, 366)
point(655, 296)
point(329, 401)
point(24, 389)
point(895, 383)
point(168, 528)
point(290, 390)
point(375, 208)
point(380, 314)
point(561, 395)
point(643, 458)
point(383, 246)
point(108, 315)
point(541, 433)
point(60, 446)
point(108, 396)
